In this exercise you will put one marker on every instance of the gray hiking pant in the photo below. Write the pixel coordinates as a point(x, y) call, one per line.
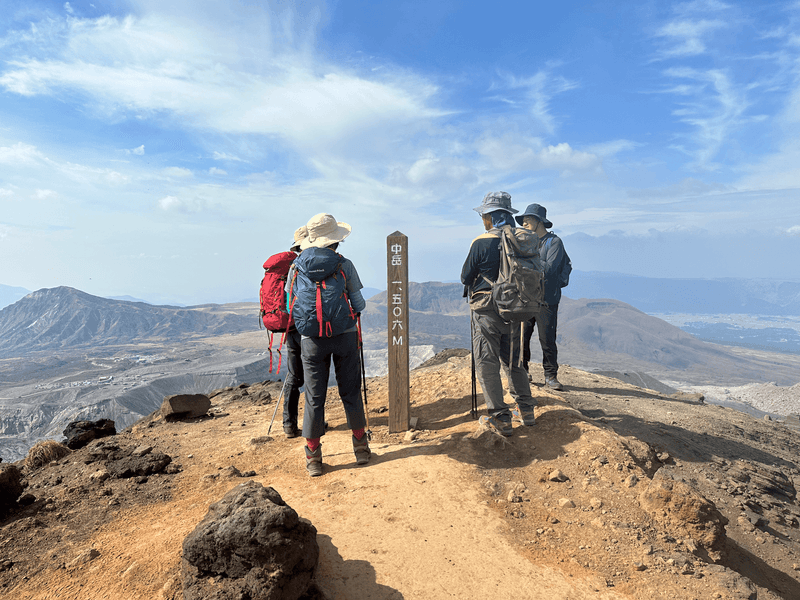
point(495, 342)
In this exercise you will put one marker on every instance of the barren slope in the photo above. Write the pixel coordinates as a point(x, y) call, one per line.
point(440, 512)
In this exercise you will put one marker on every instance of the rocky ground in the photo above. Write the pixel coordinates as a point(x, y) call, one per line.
point(616, 492)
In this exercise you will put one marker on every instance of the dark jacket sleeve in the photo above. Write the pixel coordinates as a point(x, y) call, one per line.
point(482, 264)
point(551, 252)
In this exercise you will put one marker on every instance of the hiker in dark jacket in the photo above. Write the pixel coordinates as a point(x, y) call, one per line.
point(333, 340)
point(492, 340)
point(294, 364)
point(553, 257)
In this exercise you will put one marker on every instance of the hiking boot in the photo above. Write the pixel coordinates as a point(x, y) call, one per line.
point(553, 383)
point(523, 416)
point(291, 431)
point(361, 449)
point(314, 461)
point(500, 425)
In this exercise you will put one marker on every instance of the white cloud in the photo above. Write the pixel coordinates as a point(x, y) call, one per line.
point(538, 91)
point(225, 156)
point(178, 172)
point(607, 149)
point(715, 110)
point(795, 230)
point(518, 154)
point(184, 204)
point(20, 154)
point(216, 171)
point(169, 203)
point(43, 194)
point(688, 187)
point(162, 63)
point(687, 36)
point(137, 151)
point(5, 193)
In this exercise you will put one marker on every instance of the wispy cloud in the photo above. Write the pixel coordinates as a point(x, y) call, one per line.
point(687, 37)
point(537, 93)
point(146, 66)
point(714, 108)
point(515, 153)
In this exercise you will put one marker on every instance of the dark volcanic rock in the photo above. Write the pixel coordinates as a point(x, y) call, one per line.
point(10, 486)
point(250, 545)
point(80, 433)
point(184, 406)
point(138, 466)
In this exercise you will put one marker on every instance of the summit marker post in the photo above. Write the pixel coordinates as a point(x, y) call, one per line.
point(398, 336)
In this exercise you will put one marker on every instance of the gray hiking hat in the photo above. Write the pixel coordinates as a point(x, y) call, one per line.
point(300, 234)
point(536, 211)
point(495, 201)
point(324, 230)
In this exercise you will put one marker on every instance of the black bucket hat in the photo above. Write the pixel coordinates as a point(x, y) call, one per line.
point(538, 212)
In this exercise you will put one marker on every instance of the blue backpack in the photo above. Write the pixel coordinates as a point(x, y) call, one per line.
point(318, 294)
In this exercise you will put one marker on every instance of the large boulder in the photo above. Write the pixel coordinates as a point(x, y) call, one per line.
point(682, 509)
point(80, 433)
point(10, 487)
point(250, 545)
point(184, 406)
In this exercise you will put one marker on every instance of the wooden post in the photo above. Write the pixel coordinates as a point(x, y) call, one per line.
point(398, 335)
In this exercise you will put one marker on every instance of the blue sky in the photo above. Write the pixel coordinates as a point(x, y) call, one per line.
point(164, 150)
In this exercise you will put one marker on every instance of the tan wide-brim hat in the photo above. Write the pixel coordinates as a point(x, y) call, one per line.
point(300, 234)
point(324, 230)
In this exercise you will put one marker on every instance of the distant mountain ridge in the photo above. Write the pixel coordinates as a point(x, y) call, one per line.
point(693, 296)
point(64, 317)
point(10, 294)
point(593, 334)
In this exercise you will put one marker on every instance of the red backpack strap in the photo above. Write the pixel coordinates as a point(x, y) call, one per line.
point(319, 307)
point(270, 352)
point(280, 354)
point(347, 298)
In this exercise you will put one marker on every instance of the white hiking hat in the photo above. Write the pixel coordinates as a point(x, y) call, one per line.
point(324, 230)
point(300, 234)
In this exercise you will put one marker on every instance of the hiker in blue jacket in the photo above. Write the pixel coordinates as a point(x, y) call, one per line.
point(492, 340)
point(555, 261)
point(325, 302)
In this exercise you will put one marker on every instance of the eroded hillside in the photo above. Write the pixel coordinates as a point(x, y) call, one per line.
point(616, 492)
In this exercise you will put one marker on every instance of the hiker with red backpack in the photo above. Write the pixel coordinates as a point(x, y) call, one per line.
point(325, 301)
point(495, 340)
point(276, 319)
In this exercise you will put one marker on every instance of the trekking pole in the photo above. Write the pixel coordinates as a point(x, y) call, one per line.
point(364, 379)
point(474, 411)
point(278, 403)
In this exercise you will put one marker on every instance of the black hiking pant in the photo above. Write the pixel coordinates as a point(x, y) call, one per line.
point(318, 353)
point(546, 321)
point(294, 378)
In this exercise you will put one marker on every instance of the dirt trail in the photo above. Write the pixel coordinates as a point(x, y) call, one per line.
point(440, 512)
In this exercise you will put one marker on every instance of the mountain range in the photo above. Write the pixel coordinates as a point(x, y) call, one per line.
point(65, 354)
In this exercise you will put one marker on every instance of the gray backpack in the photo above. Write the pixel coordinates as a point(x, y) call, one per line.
point(519, 290)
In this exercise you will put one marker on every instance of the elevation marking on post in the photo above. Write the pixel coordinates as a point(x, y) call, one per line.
point(398, 335)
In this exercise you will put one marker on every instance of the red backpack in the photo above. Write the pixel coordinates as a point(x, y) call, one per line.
point(272, 297)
